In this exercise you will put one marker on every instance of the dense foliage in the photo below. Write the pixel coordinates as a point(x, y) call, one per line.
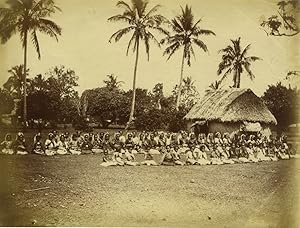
point(112, 106)
point(53, 97)
point(284, 22)
point(283, 102)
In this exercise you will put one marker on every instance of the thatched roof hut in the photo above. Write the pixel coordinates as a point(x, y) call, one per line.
point(231, 107)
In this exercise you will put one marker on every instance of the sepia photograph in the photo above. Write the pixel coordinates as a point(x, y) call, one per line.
point(150, 113)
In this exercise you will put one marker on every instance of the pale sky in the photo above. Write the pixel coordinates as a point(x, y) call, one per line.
point(84, 45)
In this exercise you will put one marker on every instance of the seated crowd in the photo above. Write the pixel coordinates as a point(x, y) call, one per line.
point(176, 148)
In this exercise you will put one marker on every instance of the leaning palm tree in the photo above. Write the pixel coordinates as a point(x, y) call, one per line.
point(141, 24)
point(186, 34)
point(236, 60)
point(27, 17)
point(14, 84)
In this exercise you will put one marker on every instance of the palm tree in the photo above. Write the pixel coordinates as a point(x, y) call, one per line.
point(15, 83)
point(141, 23)
point(235, 60)
point(214, 86)
point(188, 84)
point(27, 17)
point(112, 82)
point(186, 34)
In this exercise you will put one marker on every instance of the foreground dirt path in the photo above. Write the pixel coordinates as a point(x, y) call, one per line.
point(81, 193)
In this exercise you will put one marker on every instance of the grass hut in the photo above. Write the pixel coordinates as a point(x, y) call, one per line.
point(232, 110)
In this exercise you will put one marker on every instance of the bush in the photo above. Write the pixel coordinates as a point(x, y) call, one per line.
point(176, 121)
point(81, 124)
point(150, 120)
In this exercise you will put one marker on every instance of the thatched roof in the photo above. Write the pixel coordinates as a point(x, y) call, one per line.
point(231, 105)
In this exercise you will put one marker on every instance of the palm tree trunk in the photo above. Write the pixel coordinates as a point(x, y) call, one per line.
point(180, 83)
point(24, 85)
point(133, 85)
point(238, 79)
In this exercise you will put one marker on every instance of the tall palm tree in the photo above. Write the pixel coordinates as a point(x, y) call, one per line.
point(186, 34)
point(112, 82)
point(27, 17)
point(236, 60)
point(15, 83)
point(141, 24)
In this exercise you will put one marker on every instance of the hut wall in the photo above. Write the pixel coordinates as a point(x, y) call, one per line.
point(268, 129)
point(223, 127)
point(189, 125)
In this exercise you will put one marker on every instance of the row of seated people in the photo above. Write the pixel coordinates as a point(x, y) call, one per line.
point(210, 149)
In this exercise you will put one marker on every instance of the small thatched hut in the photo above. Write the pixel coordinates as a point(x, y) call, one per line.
point(232, 110)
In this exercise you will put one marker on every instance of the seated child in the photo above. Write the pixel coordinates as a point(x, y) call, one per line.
point(38, 147)
point(283, 152)
point(62, 146)
point(50, 145)
point(97, 145)
point(223, 155)
point(250, 153)
point(243, 154)
point(201, 156)
point(74, 146)
point(117, 157)
point(216, 155)
point(107, 160)
point(190, 155)
point(86, 145)
point(261, 154)
point(152, 145)
point(7, 145)
point(130, 158)
point(176, 154)
point(20, 145)
point(167, 158)
point(148, 159)
point(273, 152)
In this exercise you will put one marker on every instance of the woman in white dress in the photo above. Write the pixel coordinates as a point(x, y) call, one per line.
point(62, 146)
point(7, 145)
point(50, 145)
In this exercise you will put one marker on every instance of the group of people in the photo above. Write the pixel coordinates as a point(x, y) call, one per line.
point(175, 148)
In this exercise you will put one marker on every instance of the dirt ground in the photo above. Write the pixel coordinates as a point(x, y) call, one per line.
point(82, 193)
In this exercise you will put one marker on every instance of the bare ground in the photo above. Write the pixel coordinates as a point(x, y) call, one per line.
point(82, 193)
